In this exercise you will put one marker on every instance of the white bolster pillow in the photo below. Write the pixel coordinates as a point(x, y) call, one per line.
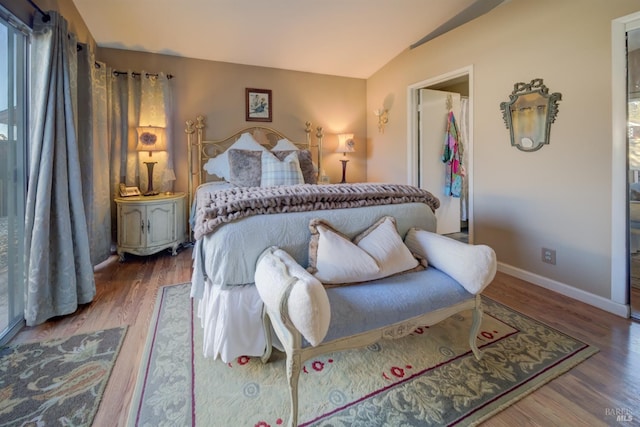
point(308, 303)
point(473, 266)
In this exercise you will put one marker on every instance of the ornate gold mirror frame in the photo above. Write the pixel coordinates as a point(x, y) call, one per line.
point(529, 113)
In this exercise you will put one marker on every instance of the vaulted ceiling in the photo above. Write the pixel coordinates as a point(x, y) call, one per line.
point(351, 38)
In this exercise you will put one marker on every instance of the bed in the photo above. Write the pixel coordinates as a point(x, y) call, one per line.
point(233, 220)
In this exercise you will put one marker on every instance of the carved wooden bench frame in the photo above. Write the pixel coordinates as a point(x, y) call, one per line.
point(291, 339)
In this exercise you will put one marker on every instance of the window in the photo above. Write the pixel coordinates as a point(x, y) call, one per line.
point(13, 166)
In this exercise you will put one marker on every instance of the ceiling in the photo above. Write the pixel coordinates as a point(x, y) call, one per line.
point(350, 38)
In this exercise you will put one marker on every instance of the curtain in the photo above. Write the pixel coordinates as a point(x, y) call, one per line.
point(155, 105)
point(124, 110)
point(138, 99)
point(57, 253)
point(93, 141)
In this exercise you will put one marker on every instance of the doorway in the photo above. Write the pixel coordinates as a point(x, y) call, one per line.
point(429, 103)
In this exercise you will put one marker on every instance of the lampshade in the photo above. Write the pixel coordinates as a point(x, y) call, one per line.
point(151, 138)
point(345, 143)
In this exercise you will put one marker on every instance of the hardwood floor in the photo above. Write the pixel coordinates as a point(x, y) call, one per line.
point(593, 393)
point(126, 295)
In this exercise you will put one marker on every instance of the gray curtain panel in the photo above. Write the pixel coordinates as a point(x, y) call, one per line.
point(124, 113)
point(58, 262)
point(93, 146)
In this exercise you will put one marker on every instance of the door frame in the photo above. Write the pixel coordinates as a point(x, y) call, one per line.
point(413, 159)
point(619, 180)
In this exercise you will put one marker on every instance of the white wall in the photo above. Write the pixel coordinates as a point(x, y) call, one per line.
point(558, 197)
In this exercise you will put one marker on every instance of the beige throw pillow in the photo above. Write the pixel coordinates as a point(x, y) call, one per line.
point(375, 253)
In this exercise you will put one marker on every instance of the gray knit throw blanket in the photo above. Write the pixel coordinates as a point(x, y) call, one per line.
point(220, 207)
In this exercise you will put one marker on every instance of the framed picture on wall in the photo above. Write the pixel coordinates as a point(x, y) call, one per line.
point(258, 105)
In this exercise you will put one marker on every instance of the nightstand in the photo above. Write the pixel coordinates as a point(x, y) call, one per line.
point(149, 224)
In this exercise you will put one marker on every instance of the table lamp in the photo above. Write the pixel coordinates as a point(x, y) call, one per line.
point(345, 145)
point(151, 138)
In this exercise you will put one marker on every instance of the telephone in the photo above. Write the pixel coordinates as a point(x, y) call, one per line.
point(129, 191)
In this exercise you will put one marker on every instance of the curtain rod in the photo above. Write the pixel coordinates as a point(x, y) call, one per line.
point(45, 16)
point(124, 73)
point(135, 73)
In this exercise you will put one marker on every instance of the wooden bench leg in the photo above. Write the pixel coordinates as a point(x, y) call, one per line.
point(293, 373)
point(266, 324)
point(475, 328)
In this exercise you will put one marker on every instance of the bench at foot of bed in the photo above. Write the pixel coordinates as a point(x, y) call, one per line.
point(311, 320)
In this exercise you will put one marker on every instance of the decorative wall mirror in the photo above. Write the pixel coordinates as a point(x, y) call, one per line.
point(529, 113)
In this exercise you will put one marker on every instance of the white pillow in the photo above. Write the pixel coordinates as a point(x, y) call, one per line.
point(308, 303)
point(285, 145)
point(280, 172)
point(219, 165)
point(473, 266)
point(377, 252)
point(385, 245)
point(338, 260)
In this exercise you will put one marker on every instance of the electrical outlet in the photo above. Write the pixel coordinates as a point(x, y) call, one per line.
point(549, 256)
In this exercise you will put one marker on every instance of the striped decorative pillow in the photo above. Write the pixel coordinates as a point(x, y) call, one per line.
point(280, 172)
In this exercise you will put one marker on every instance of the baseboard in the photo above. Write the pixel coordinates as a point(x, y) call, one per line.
point(597, 301)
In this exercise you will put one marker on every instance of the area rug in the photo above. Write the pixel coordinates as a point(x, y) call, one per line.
point(57, 382)
point(428, 378)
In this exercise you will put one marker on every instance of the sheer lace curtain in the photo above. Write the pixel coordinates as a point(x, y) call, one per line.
point(155, 108)
point(138, 99)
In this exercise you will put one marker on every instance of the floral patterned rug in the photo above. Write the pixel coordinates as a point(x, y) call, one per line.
point(57, 382)
point(428, 378)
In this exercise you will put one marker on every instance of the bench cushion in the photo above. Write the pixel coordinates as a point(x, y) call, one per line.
point(361, 307)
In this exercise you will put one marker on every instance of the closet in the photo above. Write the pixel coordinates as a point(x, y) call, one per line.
point(439, 107)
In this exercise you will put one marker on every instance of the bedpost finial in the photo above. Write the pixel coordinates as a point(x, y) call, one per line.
point(319, 134)
point(307, 128)
point(200, 122)
point(189, 128)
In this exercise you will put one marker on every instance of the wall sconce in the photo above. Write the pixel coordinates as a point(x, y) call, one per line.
point(383, 118)
point(151, 138)
point(529, 113)
point(345, 145)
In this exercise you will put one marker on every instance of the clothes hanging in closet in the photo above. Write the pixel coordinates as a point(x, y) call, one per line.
point(452, 157)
